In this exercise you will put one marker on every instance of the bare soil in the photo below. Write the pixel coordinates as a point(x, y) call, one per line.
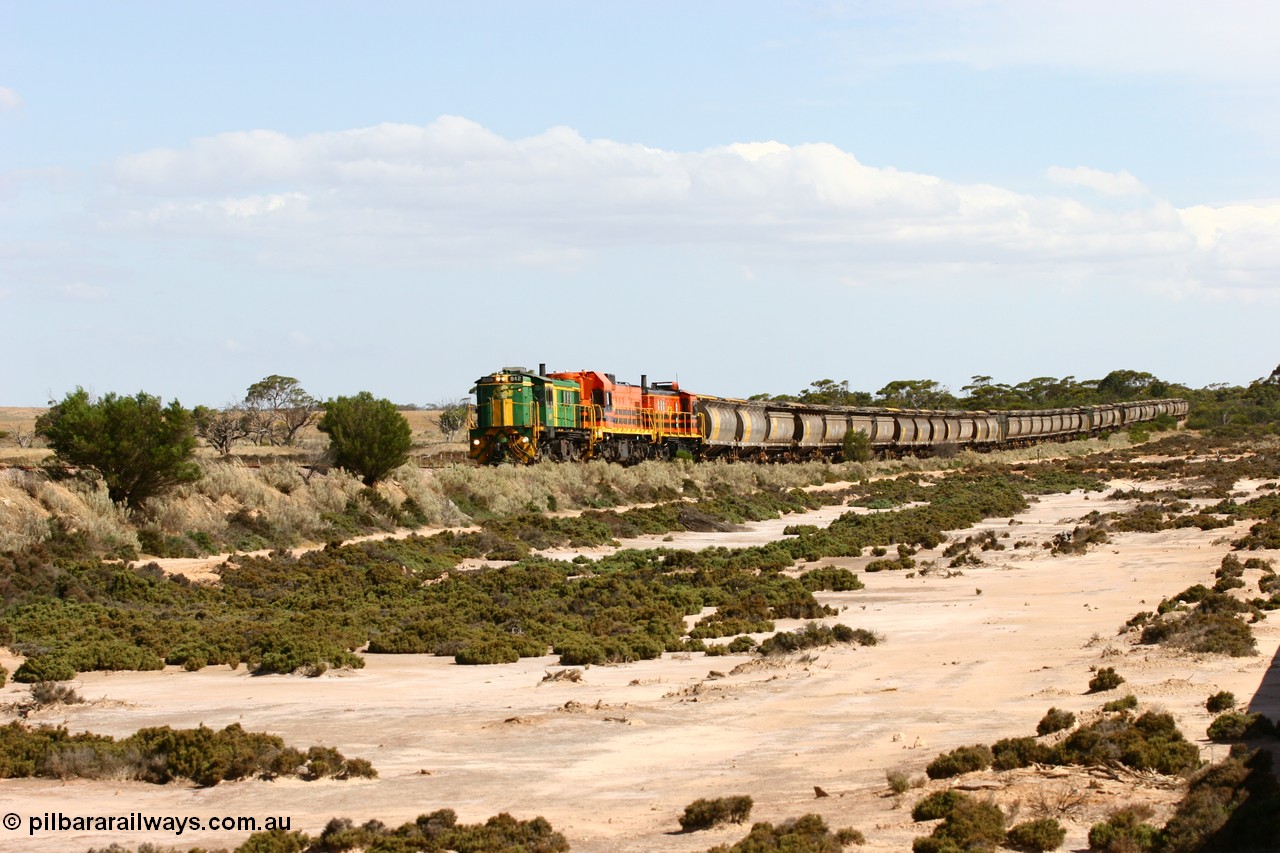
point(612, 760)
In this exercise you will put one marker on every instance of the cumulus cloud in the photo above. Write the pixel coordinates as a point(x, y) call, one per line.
point(1107, 183)
point(453, 191)
point(9, 99)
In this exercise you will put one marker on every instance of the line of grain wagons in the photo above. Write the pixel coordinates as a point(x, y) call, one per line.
point(774, 429)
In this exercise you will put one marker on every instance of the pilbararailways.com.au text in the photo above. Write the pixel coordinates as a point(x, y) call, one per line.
point(49, 822)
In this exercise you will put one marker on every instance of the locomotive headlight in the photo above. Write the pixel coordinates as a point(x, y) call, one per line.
point(475, 442)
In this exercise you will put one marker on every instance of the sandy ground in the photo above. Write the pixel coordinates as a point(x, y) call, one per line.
point(613, 760)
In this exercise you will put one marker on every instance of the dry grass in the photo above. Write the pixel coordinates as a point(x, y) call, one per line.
point(279, 487)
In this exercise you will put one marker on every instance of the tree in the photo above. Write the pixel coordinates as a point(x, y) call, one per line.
point(454, 415)
point(281, 408)
point(140, 447)
point(221, 427)
point(828, 392)
point(915, 394)
point(1125, 385)
point(366, 436)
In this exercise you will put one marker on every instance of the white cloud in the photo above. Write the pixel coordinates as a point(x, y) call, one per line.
point(9, 99)
point(453, 191)
point(1230, 39)
point(1107, 183)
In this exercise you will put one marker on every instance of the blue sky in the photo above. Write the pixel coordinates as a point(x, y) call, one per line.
point(400, 197)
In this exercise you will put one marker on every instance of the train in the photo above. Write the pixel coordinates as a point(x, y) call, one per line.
point(522, 416)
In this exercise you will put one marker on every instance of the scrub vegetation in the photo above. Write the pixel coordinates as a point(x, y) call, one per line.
point(159, 755)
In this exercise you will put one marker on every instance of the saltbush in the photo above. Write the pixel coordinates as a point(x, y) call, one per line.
point(704, 814)
point(1125, 831)
point(1105, 679)
point(1038, 836)
point(1055, 720)
point(937, 805)
point(965, 759)
point(970, 825)
point(1233, 726)
point(1124, 703)
point(1223, 700)
point(807, 834)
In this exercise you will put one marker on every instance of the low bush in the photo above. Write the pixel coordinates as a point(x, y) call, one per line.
point(162, 754)
point(42, 668)
point(1012, 753)
point(1151, 742)
point(970, 825)
point(937, 805)
point(1231, 805)
point(1125, 831)
point(1223, 700)
point(807, 834)
point(814, 635)
point(1055, 720)
point(704, 813)
point(832, 579)
point(45, 693)
point(1038, 836)
point(1125, 703)
point(965, 759)
point(1105, 679)
point(1233, 726)
point(436, 832)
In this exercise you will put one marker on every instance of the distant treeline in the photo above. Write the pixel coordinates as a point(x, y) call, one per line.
point(1218, 406)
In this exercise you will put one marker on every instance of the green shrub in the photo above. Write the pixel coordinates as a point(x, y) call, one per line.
point(899, 781)
point(1012, 753)
point(1038, 836)
point(965, 759)
point(44, 668)
point(970, 825)
point(1105, 679)
point(813, 635)
point(1125, 703)
point(937, 805)
point(367, 437)
point(1223, 700)
point(1234, 725)
point(162, 754)
point(485, 652)
point(704, 813)
point(1055, 720)
point(139, 446)
point(831, 578)
point(1231, 805)
point(807, 834)
point(1125, 832)
point(1151, 742)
